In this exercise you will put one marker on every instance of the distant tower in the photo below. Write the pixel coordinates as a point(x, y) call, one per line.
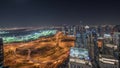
point(74, 30)
point(1, 53)
point(78, 40)
point(64, 29)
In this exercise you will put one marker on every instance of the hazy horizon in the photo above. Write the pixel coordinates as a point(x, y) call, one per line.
point(25, 13)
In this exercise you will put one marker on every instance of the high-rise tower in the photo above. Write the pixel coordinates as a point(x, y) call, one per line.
point(1, 53)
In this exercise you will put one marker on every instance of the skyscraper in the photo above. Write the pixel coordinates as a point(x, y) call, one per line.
point(1, 53)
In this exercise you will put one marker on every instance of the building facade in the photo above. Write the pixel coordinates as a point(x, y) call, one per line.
point(1, 53)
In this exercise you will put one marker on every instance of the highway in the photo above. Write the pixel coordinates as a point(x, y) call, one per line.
point(38, 53)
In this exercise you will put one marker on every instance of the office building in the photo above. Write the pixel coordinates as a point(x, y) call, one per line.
point(1, 53)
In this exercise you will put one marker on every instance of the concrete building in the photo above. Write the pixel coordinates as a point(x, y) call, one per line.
point(1, 53)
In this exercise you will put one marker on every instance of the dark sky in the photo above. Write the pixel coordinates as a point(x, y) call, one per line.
point(56, 12)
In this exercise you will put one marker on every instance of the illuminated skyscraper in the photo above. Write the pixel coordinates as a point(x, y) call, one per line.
point(1, 53)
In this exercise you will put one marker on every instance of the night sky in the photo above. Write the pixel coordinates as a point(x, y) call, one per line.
point(14, 13)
